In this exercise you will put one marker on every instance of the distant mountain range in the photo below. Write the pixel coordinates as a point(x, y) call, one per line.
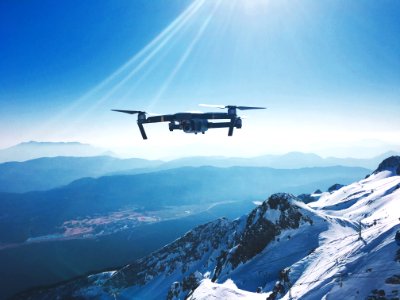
point(291, 160)
point(31, 150)
point(51, 172)
point(34, 175)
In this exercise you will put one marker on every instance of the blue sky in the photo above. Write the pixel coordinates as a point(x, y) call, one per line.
point(329, 72)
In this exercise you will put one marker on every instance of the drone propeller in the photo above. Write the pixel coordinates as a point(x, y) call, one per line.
point(231, 106)
point(244, 107)
point(136, 112)
point(130, 111)
point(213, 105)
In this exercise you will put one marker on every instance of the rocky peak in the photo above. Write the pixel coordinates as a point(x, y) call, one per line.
point(280, 201)
point(391, 163)
point(263, 225)
point(335, 187)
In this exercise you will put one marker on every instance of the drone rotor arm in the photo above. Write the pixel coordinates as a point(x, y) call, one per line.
point(214, 116)
point(161, 118)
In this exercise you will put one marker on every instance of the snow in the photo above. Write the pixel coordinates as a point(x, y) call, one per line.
point(273, 215)
point(340, 265)
point(342, 256)
point(227, 290)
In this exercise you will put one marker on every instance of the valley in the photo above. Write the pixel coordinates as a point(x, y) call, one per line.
point(340, 245)
point(43, 261)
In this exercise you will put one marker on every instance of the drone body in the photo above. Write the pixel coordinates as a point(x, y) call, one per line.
point(194, 122)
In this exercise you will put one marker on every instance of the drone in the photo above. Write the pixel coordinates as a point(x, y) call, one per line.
point(193, 122)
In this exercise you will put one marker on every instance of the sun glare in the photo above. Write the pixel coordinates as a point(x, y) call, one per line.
point(249, 7)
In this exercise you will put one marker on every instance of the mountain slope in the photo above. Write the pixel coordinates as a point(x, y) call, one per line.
point(349, 263)
point(341, 246)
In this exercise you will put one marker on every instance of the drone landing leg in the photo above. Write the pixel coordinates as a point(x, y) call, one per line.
point(142, 132)
point(231, 126)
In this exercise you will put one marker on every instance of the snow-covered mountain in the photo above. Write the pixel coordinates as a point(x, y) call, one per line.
point(341, 246)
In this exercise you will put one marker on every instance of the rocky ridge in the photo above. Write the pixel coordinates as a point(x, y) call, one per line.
point(213, 250)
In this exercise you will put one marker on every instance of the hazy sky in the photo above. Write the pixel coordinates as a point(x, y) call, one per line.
point(328, 71)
